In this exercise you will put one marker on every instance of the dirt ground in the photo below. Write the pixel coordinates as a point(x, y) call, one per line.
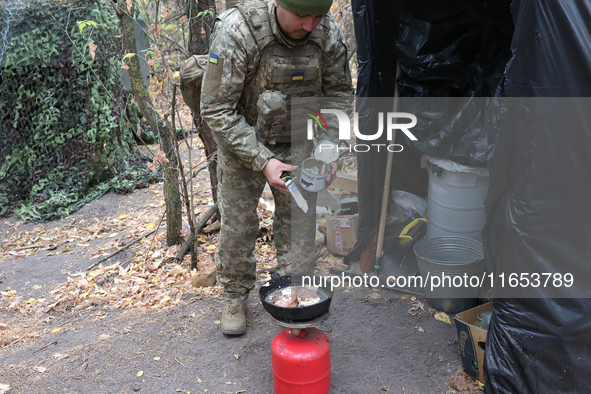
point(56, 335)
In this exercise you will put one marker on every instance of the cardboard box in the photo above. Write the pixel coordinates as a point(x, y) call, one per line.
point(341, 233)
point(472, 340)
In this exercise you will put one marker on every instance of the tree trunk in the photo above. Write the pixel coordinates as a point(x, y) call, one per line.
point(199, 33)
point(200, 27)
point(140, 92)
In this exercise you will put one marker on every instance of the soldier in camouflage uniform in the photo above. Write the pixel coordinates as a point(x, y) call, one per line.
point(263, 54)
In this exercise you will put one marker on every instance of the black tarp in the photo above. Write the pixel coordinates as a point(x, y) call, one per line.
point(452, 53)
point(376, 78)
point(538, 214)
point(537, 208)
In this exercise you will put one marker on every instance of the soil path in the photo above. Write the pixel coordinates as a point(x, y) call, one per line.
point(375, 348)
point(377, 345)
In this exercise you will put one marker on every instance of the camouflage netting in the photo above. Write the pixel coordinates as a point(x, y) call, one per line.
point(66, 130)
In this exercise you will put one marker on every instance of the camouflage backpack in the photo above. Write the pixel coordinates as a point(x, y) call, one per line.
point(191, 78)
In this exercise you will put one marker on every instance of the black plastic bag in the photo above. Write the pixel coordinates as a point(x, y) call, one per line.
point(537, 208)
point(453, 53)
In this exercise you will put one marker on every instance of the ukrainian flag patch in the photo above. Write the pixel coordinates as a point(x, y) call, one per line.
point(213, 58)
point(297, 76)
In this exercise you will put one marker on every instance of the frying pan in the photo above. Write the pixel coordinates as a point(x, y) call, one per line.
point(293, 314)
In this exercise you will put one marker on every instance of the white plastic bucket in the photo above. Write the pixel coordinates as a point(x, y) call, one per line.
point(455, 204)
point(313, 174)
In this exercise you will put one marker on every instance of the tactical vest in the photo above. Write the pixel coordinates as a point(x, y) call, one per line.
point(282, 73)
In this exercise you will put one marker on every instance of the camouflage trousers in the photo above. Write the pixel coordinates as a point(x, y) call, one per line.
point(239, 190)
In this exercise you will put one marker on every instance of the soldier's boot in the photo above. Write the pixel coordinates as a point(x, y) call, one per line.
point(233, 318)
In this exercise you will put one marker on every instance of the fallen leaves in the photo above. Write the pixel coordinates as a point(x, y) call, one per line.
point(416, 308)
point(443, 317)
point(215, 226)
point(92, 47)
point(76, 235)
point(155, 280)
point(153, 285)
point(39, 369)
point(21, 253)
point(16, 329)
point(328, 261)
point(206, 275)
point(177, 270)
point(9, 293)
point(464, 384)
point(372, 296)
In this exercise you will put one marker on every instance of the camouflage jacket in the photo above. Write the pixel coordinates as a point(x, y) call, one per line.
point(231, 86)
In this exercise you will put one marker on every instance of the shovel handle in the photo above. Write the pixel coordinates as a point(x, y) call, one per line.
point(387, 181)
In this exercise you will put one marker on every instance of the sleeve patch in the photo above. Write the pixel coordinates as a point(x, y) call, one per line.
point(213, 78)
point(297, 76)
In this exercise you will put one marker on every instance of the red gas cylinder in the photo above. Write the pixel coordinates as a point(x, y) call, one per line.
point(301, 362)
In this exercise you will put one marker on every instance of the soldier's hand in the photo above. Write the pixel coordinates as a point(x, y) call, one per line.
point(332, 175)
point(273, 171)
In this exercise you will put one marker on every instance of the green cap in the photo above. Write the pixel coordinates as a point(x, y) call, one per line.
point(306, 7)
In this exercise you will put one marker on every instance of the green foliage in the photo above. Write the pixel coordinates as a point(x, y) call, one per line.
point(205, 14)
point(65, 134)
point(83, 24)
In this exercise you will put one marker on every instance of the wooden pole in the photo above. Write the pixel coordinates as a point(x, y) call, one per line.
point(387, 181)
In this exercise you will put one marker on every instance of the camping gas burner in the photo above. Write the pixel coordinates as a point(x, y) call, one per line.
point(300, 357)
point(303, 324)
